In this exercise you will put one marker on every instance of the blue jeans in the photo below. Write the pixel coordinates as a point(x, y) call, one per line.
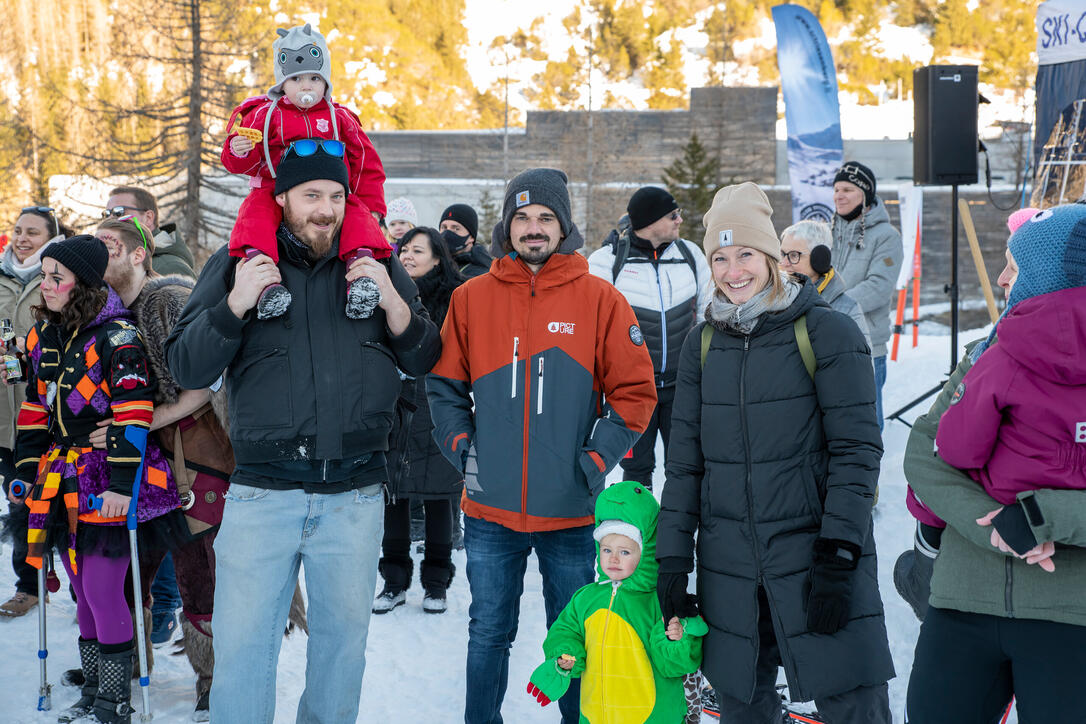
point(880, 380)
point(164, 595)
point(265, 535)
point(497, 558)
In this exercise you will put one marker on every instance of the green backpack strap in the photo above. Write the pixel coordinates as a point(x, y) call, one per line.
point(806, 351)
point(803, 340)
point(706, 338)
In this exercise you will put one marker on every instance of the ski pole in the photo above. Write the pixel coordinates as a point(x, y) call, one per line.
point(45, 690)
point(138, 437)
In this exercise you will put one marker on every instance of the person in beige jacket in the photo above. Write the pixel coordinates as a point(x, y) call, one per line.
point(20, 277)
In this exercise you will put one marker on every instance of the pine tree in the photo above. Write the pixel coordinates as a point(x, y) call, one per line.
point(691, 179)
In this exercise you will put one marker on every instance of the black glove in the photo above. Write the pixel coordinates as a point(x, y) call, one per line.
point(1013, 524)
point(834, 566)
point(671, 589)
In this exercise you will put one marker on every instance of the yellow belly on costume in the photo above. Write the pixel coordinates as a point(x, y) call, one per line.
point(617, 687)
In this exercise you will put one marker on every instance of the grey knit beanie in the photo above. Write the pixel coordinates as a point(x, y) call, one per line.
point(545, 186)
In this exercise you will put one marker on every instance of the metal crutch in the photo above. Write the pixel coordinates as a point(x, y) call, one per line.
point(45, 689)
point(138, 437)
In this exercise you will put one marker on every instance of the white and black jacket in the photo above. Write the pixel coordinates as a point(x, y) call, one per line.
point(668, 294)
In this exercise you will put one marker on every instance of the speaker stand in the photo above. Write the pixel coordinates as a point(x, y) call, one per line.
point(952, 290)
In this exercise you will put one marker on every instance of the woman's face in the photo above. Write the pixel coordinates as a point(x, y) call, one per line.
point(740, 272)
point(57, 282)
point(30, 234)
point(1008, 276)
point(846, 197)
point(416, 256)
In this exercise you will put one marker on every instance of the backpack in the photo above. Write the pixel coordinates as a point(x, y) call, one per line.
point(803, 340)
point(622, 254)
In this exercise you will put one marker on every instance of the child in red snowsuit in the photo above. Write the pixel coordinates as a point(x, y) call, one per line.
point(299, 106)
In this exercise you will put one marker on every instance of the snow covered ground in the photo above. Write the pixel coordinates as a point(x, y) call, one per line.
point(415, 669)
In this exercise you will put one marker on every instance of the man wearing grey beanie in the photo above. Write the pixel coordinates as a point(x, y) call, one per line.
point(544, 383)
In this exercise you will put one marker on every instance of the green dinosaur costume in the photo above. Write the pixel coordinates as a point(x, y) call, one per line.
point(631, 673)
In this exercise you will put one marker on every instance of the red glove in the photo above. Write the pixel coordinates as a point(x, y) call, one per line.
point(542, 698)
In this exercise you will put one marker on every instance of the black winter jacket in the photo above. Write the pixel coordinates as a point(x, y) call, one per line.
point(762, 462)
point(476, 262)
point(416, 466)
point(312, 384)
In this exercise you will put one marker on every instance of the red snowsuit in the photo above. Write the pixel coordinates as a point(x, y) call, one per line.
point(259, 216)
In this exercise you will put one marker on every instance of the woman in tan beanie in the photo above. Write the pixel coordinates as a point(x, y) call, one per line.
point(773, 468)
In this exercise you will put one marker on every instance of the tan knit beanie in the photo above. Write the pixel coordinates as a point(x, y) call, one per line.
point(740, 216)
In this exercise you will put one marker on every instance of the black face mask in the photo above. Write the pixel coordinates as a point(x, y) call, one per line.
point(454, 241)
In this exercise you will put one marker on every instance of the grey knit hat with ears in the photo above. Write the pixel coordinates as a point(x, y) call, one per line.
point(298, 51)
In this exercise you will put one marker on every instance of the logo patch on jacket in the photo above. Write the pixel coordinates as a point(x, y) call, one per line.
point(959, 393)
point(635, 335)
point(561, 327)
point(322, 125)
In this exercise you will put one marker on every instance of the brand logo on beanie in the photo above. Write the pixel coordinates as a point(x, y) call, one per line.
point(322, 125)
point(726, 237)
point(522, 199)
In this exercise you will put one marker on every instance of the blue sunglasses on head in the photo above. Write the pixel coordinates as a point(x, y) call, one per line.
point(308, 147)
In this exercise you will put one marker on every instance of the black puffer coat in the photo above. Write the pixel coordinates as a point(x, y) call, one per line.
point(763, 461)
point(416, 467)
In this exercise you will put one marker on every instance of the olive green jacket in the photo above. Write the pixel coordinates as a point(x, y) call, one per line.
point(972, 575)
point(15, 302)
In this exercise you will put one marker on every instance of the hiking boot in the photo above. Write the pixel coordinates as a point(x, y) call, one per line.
point(388, 599)
point(435, 578)
point(163, 627)
point(397, 574)
point(88, 660)
point(18, 605)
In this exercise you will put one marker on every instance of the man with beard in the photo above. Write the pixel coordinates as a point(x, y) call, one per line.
point(170, 255)
point(562, 387)
point(311, 396)
point(459, 226)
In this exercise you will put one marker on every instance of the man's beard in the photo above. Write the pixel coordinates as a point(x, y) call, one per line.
point(123, 278)
point(535, 256)
point(319, 242)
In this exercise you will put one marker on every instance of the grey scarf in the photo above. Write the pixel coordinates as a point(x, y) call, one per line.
point(744, 317)
point(27, 270)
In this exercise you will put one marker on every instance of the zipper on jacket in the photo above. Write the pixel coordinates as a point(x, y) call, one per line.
point(324, 470)
point(603, 639)
point(516, 348)
point(1008, 600)
point(539, 390)
point(663, 323)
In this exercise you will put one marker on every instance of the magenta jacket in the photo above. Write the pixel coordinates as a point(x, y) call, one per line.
point(1018, 420)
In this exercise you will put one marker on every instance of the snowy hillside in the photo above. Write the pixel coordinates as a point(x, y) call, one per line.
point(415, 662)
point(891, 118)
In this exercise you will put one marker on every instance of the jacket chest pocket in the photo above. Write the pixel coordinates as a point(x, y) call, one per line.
point(261, 390)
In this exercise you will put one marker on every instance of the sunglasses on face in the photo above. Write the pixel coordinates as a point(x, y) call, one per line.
point(139, 227)
point(675, 215)
point(793, 257)
point(308, 147)
point(120, 211)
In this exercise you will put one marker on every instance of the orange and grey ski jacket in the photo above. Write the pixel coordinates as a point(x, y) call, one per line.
point(562, 386)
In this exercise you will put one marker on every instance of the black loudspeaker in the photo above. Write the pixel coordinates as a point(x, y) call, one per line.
point(945, 125)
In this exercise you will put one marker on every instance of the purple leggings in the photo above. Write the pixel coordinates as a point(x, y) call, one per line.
point(100, 603)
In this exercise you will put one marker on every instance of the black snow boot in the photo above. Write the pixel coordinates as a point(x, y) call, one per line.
point(397, 574)
point(912, 572)
point(274, 300)
point(113, 703)
point(88, 662)
point(435, 578)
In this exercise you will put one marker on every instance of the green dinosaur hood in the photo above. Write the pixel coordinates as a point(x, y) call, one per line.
point(632, 503)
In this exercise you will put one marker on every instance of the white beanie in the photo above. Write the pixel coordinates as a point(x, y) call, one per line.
point(607, 527)
point(401, 209)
